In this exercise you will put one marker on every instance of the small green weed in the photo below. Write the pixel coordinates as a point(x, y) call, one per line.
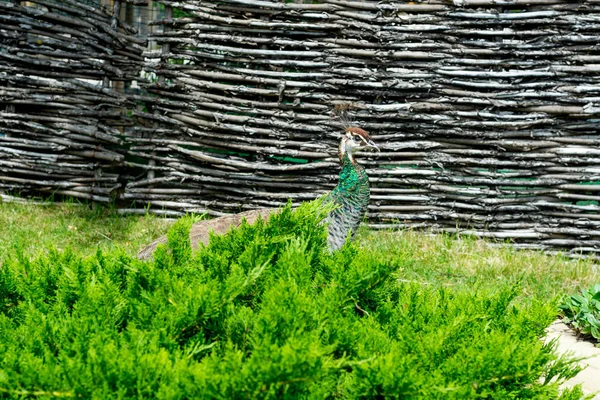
point(582, 312)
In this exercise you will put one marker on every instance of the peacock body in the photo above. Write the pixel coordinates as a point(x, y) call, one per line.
point(352, 193)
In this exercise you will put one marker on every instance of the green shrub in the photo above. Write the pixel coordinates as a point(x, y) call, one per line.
point(264, 312)
point(582, 311)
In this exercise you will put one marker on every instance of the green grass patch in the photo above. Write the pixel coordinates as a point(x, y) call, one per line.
point(267, 312)
point(465, 262)
point(582, 312)
point(78, 226)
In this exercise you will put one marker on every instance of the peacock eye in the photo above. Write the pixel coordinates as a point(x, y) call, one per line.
point(356, 138)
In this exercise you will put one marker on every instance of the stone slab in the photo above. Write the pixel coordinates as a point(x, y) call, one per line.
point(568, 341)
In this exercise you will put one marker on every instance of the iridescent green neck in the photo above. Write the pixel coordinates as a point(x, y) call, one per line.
point(352, 176)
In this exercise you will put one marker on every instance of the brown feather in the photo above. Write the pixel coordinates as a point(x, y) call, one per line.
point(358, 131)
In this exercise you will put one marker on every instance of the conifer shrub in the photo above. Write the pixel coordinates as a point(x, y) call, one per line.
point(264, 311)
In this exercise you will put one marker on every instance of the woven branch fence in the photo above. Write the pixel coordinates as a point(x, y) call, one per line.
point(487, 112)
point(60, 118)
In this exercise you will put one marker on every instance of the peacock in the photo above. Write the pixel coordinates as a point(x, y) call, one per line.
point(352, 193)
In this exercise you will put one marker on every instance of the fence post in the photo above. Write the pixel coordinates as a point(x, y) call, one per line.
point(114, 24)
point(166, 48)
point(10, 108)
point(106, 82)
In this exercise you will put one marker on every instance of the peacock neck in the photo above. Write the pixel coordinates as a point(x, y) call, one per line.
point(353, 176)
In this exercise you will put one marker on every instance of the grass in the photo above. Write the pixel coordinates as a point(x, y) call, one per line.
point(267, 312)
point(79, 226)
point(466, 261)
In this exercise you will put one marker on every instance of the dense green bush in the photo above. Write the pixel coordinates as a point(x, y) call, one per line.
point(263, 312)
point(582, 311)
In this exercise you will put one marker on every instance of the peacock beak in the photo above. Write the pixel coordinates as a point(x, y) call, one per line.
point(371, 145)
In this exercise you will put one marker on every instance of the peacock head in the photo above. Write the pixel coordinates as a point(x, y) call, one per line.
point(355, 140)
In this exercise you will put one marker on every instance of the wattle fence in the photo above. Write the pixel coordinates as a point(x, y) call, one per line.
point(61, 116)
point(487, 112)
